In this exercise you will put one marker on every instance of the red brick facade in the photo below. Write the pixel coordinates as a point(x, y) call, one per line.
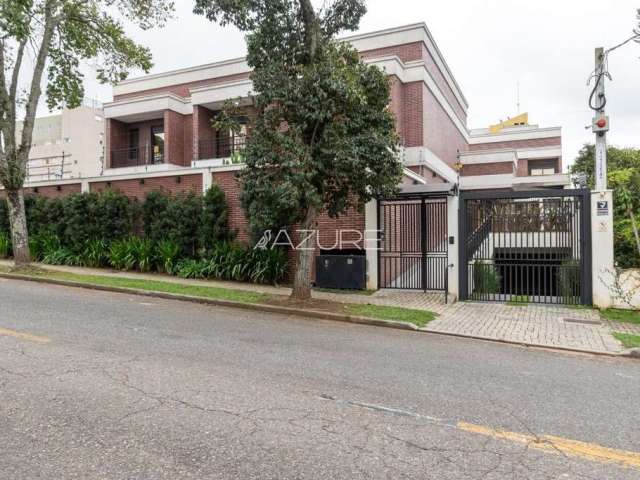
point(487, 169)
point(50, 191)
point(440, 134)
point(139, 187)
point(183, 89)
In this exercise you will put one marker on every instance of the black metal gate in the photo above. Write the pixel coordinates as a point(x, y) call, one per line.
point(413, 244)
point(526, 247)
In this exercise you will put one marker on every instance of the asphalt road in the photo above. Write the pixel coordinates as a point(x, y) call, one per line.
point(110, 386)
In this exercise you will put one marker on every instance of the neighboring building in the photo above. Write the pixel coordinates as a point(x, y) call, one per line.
point(67, 145)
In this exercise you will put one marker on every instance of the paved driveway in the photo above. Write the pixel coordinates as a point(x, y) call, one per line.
point(110, 386)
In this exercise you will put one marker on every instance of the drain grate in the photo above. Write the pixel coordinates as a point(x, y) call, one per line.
point(582, 321)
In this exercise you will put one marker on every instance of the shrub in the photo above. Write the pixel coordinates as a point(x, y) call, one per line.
point(145, 254)
point(79, 210)
point(154, 215)
point(4, 217)
point(569, 281)
point(167, 256)
point(193, 269)
point(5, 245)
point(268, 266)
point(174, 218)
point(62, 256)
point(244, 264)
point(486, 278)
point(114, 215)
point(95, 253)
point(215, 218)
point(42, 245)
point(118, 252)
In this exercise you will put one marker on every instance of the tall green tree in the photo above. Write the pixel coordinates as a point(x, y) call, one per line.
point(623, 166)
point(55, 36)
point(324, 138)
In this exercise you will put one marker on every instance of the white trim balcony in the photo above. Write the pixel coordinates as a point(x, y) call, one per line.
point(150, 107)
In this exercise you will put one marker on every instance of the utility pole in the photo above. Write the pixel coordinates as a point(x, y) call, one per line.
point(600, 124)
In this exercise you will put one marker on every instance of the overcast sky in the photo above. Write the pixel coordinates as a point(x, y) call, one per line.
point(490, 45)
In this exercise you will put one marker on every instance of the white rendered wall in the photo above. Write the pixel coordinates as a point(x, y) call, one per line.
point(602, 248)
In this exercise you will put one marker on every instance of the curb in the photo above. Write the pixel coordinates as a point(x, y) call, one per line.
point(537, 346)
point(631, 353)
point(221, 303)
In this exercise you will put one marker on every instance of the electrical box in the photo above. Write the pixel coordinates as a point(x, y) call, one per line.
point(341, 271)
point(600, 124)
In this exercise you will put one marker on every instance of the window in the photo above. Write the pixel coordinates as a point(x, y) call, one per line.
point(157, 144)
point(543, 167)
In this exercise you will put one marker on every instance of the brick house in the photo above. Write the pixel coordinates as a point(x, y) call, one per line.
point(159, 133)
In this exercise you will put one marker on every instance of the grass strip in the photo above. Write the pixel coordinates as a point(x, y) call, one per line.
point(418, 317)
point(624, 316)
point(215, 293)
point(628, 340)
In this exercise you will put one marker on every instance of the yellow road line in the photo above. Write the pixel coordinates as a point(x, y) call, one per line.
point(24, 336)
point(558, 445)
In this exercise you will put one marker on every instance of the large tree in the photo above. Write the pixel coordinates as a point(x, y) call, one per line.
point(623, 166)
point(55, 36)
point(324, 138)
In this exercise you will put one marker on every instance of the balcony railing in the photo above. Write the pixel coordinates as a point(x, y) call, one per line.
point(49, 168)
point(136, 157)
point(223, 147)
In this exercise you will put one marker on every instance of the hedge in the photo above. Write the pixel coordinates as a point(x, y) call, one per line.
point(186, 234)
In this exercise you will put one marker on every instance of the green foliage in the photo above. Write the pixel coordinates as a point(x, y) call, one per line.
point(95, 254)
point(215, 218)
point(419, 318)
point(62, 256)
point(193, 269)
point(55, 38)
point(623, 165)
point(627, 339)
point(486, 278)
point(145, 255)
point(176, 218)
point(42, 245)
point(569, 281)
point(624, 316)
point(119, 257)
point(340, 147)
point(238, 263)
point(167, 256)
point(5, 226)
point(5, 245)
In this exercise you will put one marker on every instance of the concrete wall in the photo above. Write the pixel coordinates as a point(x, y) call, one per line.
point(602, 248)
point(75, 135)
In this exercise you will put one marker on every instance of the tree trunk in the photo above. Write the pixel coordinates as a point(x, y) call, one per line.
point(19, 234)
point(306, 253)
point(634, 226)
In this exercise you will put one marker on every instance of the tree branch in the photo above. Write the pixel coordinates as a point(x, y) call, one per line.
point(311, 28)
point(36, 90)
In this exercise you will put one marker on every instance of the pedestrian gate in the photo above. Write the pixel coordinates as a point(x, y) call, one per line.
point(413, 244)
point(526, 247)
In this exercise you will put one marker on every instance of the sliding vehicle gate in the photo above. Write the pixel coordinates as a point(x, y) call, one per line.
point(413, 244)
point(526, 247)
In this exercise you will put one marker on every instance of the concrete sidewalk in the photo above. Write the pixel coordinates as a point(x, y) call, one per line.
point(548, 326)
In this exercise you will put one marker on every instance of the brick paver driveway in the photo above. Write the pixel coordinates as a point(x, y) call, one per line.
point(540, 325)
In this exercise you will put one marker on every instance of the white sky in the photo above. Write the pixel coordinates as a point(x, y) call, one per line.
point(490, 45)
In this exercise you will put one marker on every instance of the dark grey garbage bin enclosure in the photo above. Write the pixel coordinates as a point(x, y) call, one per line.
point(341, 271)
